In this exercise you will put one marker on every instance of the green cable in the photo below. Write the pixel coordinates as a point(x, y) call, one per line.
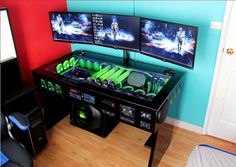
point(129, 87)
point(140, 91)
point(165, 80)
point(151, 94)
point(120, 84)
point(153, 87)
point(149, 86)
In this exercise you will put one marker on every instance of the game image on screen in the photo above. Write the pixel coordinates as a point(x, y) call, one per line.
point(71, 27)
point(171, 42)
point(116, 31)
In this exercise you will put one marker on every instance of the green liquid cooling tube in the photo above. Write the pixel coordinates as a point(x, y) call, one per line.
point(101, 72)
point(122, 77)
point(109, 73)
point(166, 80)
point(116, 74)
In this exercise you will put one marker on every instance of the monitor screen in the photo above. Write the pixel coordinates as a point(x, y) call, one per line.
point(171, 42)
point(116, 31)
point(71, 27)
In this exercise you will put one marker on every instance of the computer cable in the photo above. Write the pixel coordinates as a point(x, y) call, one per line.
point(129, 87)
point(140, 91)
point(151, 94)
point(149, 86)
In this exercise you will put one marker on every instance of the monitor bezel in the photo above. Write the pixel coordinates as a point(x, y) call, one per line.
point(113, 46)
point(70, 41)
point(164, 59)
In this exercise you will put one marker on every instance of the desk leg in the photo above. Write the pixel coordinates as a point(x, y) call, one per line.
point(151, 141)
point(159, 142)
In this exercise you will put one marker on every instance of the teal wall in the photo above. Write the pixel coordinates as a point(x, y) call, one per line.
point(197, 83)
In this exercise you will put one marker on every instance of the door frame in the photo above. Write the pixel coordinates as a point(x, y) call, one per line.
point(218, 66)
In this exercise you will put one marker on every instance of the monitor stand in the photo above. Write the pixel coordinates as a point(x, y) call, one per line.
point(125, 58)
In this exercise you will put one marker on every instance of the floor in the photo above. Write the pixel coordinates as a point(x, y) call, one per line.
point(70, 146)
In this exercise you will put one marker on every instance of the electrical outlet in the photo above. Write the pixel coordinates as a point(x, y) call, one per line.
point(217, 25)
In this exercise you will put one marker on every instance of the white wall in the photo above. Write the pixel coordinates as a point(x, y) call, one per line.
point(7, 45)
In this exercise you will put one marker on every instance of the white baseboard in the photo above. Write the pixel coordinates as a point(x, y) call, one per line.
point(184, 125)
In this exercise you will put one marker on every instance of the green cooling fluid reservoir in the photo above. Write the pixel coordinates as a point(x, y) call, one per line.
point(66, 65)
point(82, 63)
point(72, 61)
point(89, 64)
point(96, 66)
point(59, 68)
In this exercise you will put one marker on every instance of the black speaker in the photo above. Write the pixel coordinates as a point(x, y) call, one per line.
point(93, 118)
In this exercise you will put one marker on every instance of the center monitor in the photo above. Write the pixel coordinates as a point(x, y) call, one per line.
point(172, 42)
point(121, 32)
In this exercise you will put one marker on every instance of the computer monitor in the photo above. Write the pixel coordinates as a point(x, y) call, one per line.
point(71, 27)
point(168, 41)
point(121, 32)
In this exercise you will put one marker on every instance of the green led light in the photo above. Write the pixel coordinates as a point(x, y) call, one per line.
point(96, 66)
point(43, 84)
point(89, 64)
point(66, 65)
point(50, 86)
point(59, 68)
point(101, 72)
point(82, 63)
point(82, 115)
point(72, 61)
point(58, 89)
